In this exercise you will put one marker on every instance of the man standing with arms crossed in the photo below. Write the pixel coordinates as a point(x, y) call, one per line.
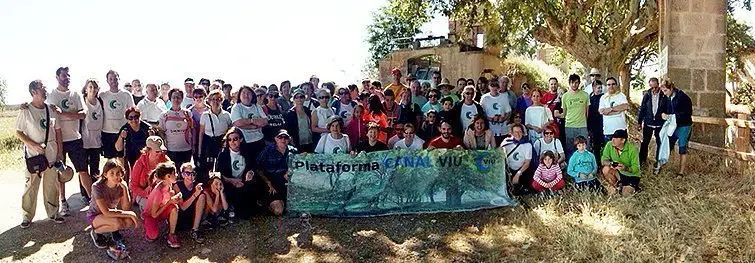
point(115, 102)
point(69, 107)
point(575, 103)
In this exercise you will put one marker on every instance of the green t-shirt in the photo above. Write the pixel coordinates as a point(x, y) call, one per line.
point(575, 105)
point(629, 157)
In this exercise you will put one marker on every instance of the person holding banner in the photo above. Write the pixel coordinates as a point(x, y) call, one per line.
point(236, 171)
point(518, 159)
point(446, 140)
point(410, 140)
point(372, 144)
point(335, 141)
point(274, 173)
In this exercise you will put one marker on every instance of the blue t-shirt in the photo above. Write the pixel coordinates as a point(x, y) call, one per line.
point(582, 163)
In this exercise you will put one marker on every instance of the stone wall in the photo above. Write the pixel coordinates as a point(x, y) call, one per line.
point(453, 63)
point(693, 51)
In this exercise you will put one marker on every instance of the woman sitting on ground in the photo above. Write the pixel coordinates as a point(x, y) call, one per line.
point(109, 193)
point(236, 171)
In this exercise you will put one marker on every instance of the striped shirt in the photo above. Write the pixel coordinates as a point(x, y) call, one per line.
point(548, 177)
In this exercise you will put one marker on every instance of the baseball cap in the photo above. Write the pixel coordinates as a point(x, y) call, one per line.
point(155, 143)
point(189, 80)
point(620, 134)
point(283, 133)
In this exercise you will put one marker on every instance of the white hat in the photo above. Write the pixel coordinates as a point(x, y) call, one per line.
point(594, 71)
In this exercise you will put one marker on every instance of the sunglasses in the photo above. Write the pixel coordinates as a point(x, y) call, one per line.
point(298, 97)
point(133, 117)
point(199, 96)
point(611, 84)
point(468, 93)
point(343, 93)
point(188, 173)
point(234, 139)
point(548, 133)
point(323, 97)
point(433, 96)
point(217, 100)
point(259, 94)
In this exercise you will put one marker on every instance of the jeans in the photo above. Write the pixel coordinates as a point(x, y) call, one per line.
point(647, 133)
point(571, 134)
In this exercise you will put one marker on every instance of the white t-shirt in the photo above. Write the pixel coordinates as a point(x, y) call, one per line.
point(322, 116)
point(221, 122)
point(237, 164)
point(345, 112)
point(151, 111)
point(68, 101)
point(92, 132)
point(116, 105)
point(613, 122)
point(521, 154)
point(32, 122)
point(537, 116)
point(555, 146)
point(328, 144)
point(177, 133)
point(417, 144)
point(496, 105)
point(240, 111)
point(467, 113)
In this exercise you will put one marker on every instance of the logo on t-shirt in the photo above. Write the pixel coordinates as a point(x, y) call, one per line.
point(235, 165)
point(114, 104)
point(250, 115)
point(495, 106)
point(337, 149)
point(43, 123)
point(343, 114)
point(64, 104)
point(94, 116)
point(515, 156)
point(468, 114)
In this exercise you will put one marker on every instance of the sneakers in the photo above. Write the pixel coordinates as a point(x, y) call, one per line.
point(222, 221)
point(25, 224)
point(117, 237)
point(195, 235)
point(64, 209)
point(58, 219)
point(205, 225)
point(173, 241)
point(99, 240)
point(117, 252)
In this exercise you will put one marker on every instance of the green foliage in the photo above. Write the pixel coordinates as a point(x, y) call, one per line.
point(396, 20)
point(536, 72)
point(739, 43)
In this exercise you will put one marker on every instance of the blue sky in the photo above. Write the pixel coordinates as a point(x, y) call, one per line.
point(243, 42)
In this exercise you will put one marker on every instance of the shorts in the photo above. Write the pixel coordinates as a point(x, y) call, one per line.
point(108, 145)
point(92, 158)
point(681, 134)
point(151, 224)
point(75, 150)
point(633, 181)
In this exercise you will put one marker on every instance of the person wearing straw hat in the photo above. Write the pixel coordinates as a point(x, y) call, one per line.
point(594, 75)
point(446, 88)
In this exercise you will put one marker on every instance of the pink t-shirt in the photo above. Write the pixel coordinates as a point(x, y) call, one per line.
point(161, 193)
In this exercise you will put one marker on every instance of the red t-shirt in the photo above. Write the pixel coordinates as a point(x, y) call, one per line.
point(440, 144)
point(548, 98)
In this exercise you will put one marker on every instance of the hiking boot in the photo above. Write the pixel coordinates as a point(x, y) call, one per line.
point(197, 236)
point(117, 237)
point(99, 240)
point(25, 224)
point(64, 209)
point(173, 241)
point(58, 219)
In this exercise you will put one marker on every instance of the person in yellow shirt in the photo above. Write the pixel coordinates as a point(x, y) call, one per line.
point(396, 85)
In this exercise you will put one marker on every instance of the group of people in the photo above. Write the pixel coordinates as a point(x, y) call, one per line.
point(206, 155)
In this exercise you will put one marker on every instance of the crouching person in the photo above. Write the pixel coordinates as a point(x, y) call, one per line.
point(162, 204)
point(110, 206)
point(274, 172)
point(193, 203)
point(621, 165)
point(216, 209)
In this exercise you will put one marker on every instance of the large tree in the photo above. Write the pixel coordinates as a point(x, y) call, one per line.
point(611, 35)
point(398, 20)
